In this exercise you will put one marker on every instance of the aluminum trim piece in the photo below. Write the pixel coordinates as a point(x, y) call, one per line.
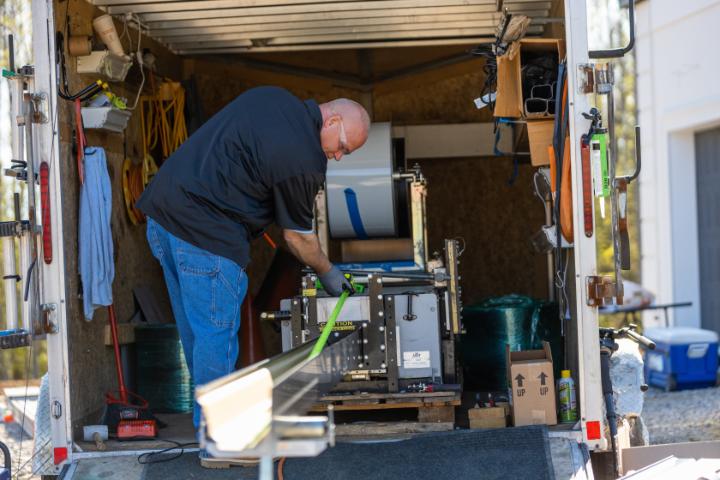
point(298, 382)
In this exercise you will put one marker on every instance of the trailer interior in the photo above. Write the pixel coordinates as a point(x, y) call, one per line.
point(417, 66)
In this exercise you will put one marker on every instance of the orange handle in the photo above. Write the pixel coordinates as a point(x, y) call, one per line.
point(566, 210)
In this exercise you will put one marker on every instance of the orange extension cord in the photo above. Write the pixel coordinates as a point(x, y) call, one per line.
point(281, 464)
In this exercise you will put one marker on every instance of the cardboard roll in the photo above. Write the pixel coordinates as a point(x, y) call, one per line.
point(79, 45)
point(361, 190)
point(376, 250)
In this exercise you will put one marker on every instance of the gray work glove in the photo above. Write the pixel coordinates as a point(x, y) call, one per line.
point(334, 282)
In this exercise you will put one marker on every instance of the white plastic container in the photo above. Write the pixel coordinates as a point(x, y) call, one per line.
point(105, 118)
point(105, 64)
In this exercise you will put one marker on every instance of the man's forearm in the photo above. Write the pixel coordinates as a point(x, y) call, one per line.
point(306, 247)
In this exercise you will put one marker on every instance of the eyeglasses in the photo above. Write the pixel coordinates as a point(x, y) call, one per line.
point(343, 137)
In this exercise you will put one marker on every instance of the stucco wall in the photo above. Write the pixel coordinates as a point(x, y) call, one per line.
point(678, 94)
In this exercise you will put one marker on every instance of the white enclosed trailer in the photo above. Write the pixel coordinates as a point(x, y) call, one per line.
point(56, 292)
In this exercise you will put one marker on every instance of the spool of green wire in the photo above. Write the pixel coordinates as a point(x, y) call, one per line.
point(162, 376)
point(515, 320)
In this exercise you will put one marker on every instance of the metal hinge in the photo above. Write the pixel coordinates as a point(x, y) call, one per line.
point(600, 290)
point(49, 324)
point(586, 78)
point(40, 109)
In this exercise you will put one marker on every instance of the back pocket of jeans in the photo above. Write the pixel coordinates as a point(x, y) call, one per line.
point(198, 262)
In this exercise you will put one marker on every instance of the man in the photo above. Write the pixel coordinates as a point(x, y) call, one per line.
point(260, 160)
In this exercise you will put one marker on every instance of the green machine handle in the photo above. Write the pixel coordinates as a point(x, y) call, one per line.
point(320, 344)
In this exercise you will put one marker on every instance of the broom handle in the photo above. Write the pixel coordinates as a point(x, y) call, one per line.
point(116, 346)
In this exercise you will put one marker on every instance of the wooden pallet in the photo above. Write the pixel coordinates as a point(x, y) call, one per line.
point(432, 407)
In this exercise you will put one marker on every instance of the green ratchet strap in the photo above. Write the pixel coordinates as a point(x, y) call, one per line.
point(320, 344)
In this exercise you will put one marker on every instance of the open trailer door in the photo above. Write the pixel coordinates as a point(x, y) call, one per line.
point(585, 329)
point(52, 267)
point(590, 94)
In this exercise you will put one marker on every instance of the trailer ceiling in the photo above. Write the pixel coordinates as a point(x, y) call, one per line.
point(239, 26)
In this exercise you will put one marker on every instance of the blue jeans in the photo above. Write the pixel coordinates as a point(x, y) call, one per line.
point(206, 292)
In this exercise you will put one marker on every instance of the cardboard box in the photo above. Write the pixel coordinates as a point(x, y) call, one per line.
point(491, 417)
point(532, 386)
point(510, 101)
point(540, 137)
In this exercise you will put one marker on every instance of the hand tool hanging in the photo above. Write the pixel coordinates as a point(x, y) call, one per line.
point(621, 185)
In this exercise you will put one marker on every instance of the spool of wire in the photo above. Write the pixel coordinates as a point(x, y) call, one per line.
point(162, 376)
point(515, 320)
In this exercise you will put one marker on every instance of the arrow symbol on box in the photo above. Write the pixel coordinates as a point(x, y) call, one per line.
point(519, 379)
point(542, 378)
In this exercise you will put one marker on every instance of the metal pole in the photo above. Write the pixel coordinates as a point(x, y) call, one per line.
point(10, 282)
point(24, 266)
point(612, 160)
point(10, 273)
point(267, 470)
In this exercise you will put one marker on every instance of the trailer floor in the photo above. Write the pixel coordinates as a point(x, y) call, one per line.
point(179, 428)
point(567, 461)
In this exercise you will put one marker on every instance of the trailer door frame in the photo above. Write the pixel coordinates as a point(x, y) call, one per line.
point(53, 291)
point(588, 346)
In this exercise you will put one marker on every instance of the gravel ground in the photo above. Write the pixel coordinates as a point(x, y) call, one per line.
point(684, 416)
point(10, 435)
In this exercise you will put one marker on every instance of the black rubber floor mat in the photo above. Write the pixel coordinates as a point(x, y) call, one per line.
point(508, 453)
point(188, 467)
point(522, 453)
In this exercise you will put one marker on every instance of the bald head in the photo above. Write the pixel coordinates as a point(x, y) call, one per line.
point(345, 127)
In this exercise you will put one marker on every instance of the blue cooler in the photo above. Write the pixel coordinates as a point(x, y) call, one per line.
point(684, 358)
